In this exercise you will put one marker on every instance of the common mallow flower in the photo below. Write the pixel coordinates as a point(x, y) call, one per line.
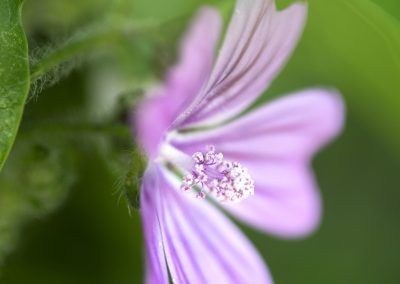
point(207, 156)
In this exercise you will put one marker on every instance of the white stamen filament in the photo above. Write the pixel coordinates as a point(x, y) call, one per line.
point(169, 153)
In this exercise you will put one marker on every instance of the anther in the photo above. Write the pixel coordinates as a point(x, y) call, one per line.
point(226, 181)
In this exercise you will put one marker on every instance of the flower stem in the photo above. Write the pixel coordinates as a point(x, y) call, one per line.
point(72, 48)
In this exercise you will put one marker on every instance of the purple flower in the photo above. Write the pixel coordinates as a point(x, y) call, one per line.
point(255, 166)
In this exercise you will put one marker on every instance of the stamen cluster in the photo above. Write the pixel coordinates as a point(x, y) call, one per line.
point(226, 181)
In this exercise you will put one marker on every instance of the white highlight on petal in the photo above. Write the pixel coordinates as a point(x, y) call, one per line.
point(226, 181)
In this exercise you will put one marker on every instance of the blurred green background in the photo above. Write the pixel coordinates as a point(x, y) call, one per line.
point(62, 218)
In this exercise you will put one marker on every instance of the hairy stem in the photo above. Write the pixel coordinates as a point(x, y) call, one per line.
point(72, 48)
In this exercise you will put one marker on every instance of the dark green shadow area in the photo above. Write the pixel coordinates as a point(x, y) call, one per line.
point(90, 240)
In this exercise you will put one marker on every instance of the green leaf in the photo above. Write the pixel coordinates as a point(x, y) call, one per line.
point(14, 73)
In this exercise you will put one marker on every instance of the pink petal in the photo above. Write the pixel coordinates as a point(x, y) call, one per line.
point(258, 42)
point(276, 143)
point(286, 202)
point(156, 268)
point(202, 245)
point(182, 83)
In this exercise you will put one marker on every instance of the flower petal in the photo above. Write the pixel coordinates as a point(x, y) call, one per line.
point(156, 269)
point(286, 202)
point(202, 245)
point(276, 143)
point(258, 42)
point(182, 82)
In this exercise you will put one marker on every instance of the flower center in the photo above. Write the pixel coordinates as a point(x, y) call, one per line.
point(227, 181)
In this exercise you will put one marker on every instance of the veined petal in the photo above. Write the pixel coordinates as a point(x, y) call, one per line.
point(286, 203)
point(276, 143)
point(202, 245)
point(156, 268)
point(183, 81)
point(258, 42)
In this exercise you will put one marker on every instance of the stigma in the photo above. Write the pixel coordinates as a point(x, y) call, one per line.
point(212, 175)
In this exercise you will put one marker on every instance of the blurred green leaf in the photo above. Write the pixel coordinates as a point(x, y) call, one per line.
point(14, 73)
point(55, 19)
point(34, 183)
point(91, 239)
